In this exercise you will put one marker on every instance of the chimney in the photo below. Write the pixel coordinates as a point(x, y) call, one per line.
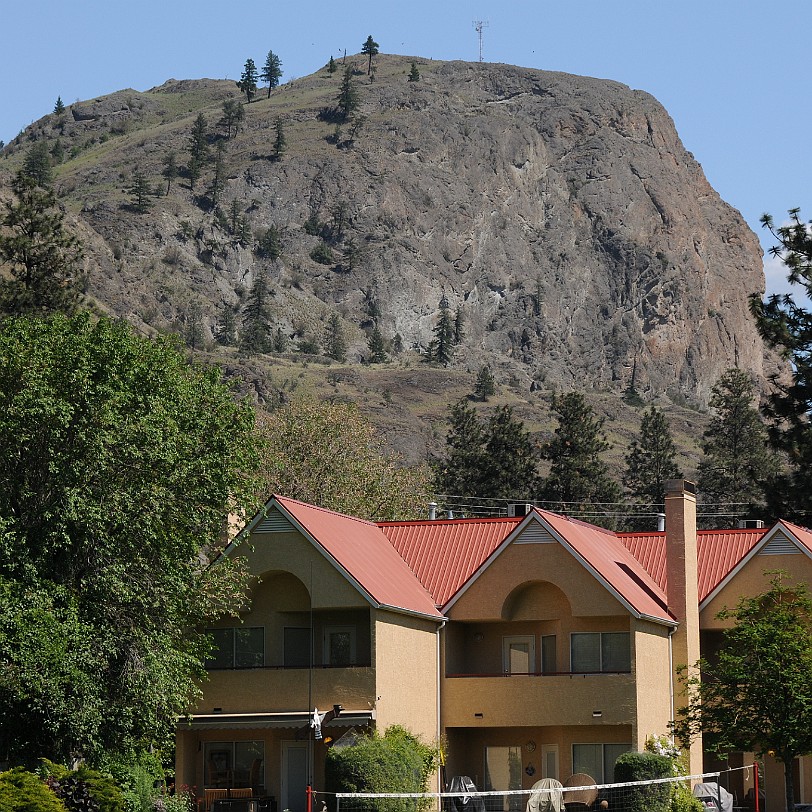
point(683, 585)
point(432, 511)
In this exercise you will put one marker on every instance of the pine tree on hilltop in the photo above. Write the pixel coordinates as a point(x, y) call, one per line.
point(59, 107)
point(414, 73)
point(248, 80)
point(370, 48)
point(271, 71)
point(348, 95)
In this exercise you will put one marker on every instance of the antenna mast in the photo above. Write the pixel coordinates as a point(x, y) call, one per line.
point(478, 26)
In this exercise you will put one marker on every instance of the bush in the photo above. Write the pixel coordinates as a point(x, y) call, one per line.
point(644, 767)
point(322, 254)
point(398, 761)
point(83, 790)
point(22, 791)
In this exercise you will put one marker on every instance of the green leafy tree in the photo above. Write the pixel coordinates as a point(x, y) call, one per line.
point(335, 339)
point(348, 101)
point(255, 336)
point(38, 164)
point(233, 116)
point(755, 696)
point(280, 143)
point(120, 461)
point(170, 169)
point(330, 454)
point(40, 256)
point(577, 474)
point(140, 192)
point(395, 762)
point(786, 325)
point(737, 463)
point(248, 80)
point(377, 347)
point(370, 49)
point(650, 461)
point(59, 107)
point(414, 73)
point(271, 71)
point(485, 386)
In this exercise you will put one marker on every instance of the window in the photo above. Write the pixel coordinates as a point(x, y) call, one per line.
point(296, 652)
point(339, 645)
point(548, 655)
point(519, 654)
point(593, 652)
point(597, 760)
point(235, 764)
point(237, 648)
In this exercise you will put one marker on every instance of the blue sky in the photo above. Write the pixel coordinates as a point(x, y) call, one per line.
point(733, 74)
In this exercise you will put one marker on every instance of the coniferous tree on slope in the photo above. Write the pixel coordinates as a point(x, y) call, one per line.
point(255, 336)
point(650, 460)
point(370, 49)
point(248, 80)
point(271, 71)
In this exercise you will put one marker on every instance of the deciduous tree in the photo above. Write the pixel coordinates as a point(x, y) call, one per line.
point(120, 462)
point(42, 258)
point(331, 455)
point(754, 696)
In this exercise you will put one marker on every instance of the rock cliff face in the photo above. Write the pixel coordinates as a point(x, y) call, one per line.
point(560, 215)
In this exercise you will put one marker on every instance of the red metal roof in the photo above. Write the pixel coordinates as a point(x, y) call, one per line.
point(365, 554)
point(718, 552)
point(445, 553)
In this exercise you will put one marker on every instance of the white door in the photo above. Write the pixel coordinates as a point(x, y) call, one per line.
point(549, 761)
point(519, 654)
point(294, 776)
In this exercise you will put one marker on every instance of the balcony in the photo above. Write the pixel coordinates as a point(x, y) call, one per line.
point(508, 700)
point(256, 690)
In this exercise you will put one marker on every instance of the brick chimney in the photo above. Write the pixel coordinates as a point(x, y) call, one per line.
point(683, 587)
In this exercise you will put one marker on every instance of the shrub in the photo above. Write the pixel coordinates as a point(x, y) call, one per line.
point(398, 761)
point(322, 254)
point(83, 790)
point(644, 767)
point(22, 791)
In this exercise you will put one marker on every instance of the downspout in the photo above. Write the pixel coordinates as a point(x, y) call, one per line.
point(671, 672)
point(440, 787)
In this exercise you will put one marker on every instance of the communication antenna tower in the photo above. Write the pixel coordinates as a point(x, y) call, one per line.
point(478, 26)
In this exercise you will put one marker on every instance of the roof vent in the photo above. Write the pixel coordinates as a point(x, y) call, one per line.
point(516, 509)
point(750, 524)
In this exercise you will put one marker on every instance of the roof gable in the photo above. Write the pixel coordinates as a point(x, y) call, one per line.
point(357, 548)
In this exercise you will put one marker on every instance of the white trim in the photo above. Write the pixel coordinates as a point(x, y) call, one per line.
point(779, 527)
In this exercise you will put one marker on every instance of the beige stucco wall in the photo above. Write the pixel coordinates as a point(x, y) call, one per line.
point(653, 681)
point(405, 651)
point(751, 580)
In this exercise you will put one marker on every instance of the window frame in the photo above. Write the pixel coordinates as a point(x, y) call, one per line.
point(602, 779)
point(232, 657)
point(601, 654)
point(530, 639)
point(327, 648)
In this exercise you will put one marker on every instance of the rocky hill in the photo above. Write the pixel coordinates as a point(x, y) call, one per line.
point(561, 216)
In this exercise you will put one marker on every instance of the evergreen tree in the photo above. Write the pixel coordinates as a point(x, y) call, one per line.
point(280, 141)
point(57, 152)
point(786, 325)
point(280, 341)
point(41, 258)
point(370, 48)
point(255, 336)
point(140, 192)
point(37, 164)
point(234, 217)
point(193, 332)
point(460, 473)
point(335, 341)
point(485, 386)
point(199, 152)
point(248, 80)
point(233, 116)
point(414, 73)
point(331, 65)
point(459, 326)
point(377, 347)
point(737, 463)
point(441, 349)
point(271, 71)
point(59, 107)
point(225, 329)
point(218, 181)
point(244, 234)
point(650, 461)
point(170, 169)
point(577, 472)
point(347, 95)
point(270, 244)
point(510, 458)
